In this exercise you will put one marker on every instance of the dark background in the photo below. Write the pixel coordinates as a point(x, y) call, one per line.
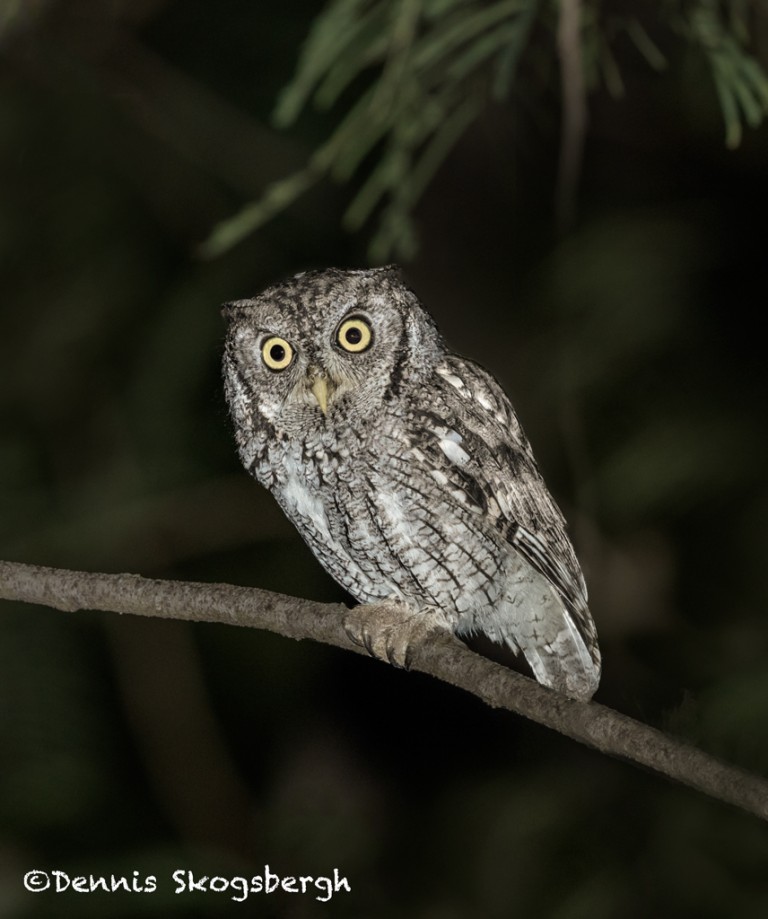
point(634, 351)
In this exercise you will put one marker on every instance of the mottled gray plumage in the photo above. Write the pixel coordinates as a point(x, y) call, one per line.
point(404, 466)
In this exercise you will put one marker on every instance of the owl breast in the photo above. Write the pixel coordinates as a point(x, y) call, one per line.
point(380, 519)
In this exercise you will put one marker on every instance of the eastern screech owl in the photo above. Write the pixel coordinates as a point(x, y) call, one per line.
point(404, 466)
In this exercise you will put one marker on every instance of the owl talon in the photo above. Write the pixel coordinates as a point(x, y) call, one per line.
point(392, 657)
point(368, 644)
point(392, 631)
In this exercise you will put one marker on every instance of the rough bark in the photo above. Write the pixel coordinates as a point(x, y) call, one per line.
point(441, 656)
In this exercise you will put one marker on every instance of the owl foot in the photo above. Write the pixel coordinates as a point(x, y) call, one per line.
point(392, 630)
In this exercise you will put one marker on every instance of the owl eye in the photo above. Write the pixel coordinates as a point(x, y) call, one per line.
point(276, 353)
point(355, 335)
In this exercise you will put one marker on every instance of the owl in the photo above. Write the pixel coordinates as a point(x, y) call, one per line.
point(404, 466)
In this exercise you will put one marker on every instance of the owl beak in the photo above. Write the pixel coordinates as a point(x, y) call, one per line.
point(320, 392)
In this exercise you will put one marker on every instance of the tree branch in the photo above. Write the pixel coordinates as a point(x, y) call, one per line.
point(441, 656)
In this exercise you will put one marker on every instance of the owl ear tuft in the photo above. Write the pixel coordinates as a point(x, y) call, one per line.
point(232, 309)
point(393, 271)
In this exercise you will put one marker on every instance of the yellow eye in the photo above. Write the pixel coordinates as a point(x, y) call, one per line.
point(355, 335)
point(276, 353)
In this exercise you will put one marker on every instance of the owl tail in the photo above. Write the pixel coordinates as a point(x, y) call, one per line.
point(564, 664)
point(536, 621)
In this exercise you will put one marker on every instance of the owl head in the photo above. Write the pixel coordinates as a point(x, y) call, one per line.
point(324, 346)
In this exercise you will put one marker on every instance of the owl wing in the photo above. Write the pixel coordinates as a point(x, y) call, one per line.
point(474, 437)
